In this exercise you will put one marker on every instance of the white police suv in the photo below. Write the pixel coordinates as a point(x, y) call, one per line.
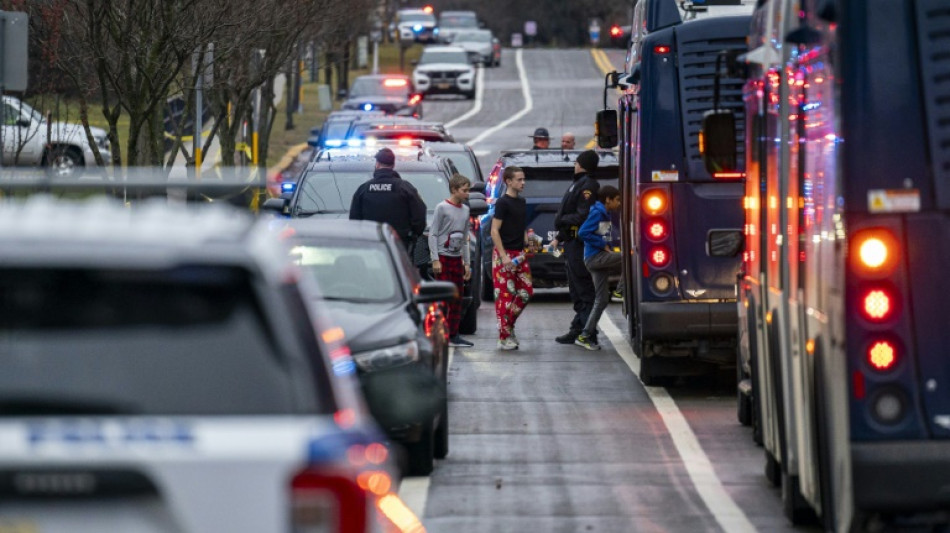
point(164, 370)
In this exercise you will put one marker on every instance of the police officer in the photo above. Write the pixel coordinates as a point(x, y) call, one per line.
point(388, 198)
point(542, 139)
point(575, 206)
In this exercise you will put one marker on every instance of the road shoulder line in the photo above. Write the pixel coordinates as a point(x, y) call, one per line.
point(525, 91)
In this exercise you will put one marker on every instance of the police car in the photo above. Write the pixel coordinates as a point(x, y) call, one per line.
point(325, 189)
point(389, 93)
point(165, 370)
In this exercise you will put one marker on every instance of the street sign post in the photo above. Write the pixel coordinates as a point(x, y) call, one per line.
point(13, 56)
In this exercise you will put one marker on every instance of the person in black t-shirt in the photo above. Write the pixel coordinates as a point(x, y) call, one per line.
point(511, 275)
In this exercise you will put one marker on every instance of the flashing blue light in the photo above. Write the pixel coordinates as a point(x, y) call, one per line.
point(367, 106)
point(334, 143)
point(288, 186)
point(417, 28)
point(354, 143)
point(435, 31)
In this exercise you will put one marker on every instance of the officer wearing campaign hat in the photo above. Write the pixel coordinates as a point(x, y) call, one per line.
point(575, 206)
point(542, 140)
point(388, 198)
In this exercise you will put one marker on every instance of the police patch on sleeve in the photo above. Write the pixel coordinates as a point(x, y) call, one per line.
point(586, 195)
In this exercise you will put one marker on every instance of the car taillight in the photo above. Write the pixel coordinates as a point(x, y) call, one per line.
point(415, 99)
point(326, 501)
point(615, 31)
point(882, 355)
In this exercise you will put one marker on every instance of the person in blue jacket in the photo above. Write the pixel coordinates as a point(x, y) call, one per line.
point(600, 260)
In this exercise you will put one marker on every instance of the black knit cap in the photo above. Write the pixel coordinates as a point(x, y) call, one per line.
point(588, 160)
point(385, 156)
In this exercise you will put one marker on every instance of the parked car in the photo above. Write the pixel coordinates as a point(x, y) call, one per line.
point(548, 174)
point(477, 44)
point(389, 93)
point(163, 367)
point(332, 133)
point(325, 190)
point(396, 128)
point(67, 151)
point(415, 25)
point(390, 318)
point(444, 70)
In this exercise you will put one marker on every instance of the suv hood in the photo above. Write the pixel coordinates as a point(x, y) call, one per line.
point(429, 67)
point(372, 326)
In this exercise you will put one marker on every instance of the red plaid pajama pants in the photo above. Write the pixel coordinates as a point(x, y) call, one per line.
point(513, 289)
point(453, 270)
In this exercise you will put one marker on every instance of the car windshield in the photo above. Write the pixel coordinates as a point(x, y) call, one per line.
point(379, 86)
point(325, 192)
point(20, 109)
point(186, 340)
point(463, 20)
point(472, 37)
point(443, 56)
point(416, 17)
point(337, 130)
point(353, 271)
point(463, 163)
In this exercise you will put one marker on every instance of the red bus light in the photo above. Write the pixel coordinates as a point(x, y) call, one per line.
point(882, 355)
point(877, 305)
point(661, 49)
point(657, 230)
point(874, 252)
point(659, 257)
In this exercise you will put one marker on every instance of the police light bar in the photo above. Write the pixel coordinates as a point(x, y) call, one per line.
point(367, 106)
point(334, 143)
point(355, 143)
point(427, 9)
point(395, 82)
point(417, 27)
point(288, 186)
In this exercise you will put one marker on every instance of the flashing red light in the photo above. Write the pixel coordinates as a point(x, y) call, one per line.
point(882, 355)
point(415, 99)
point(615, 31)
point(654, 201)
point(877, 305)
point(659, 257)
point(657, 230)
point(661, 49)
point(875, 252)
point(405, 141)
point(427, 9)
point(395, 82)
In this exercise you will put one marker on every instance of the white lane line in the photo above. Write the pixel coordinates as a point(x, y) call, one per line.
point(528, 102)
point(479, 90)
point(414, 491)
point(700, 469)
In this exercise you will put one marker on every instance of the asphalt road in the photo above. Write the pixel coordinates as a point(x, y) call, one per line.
point(554, 438)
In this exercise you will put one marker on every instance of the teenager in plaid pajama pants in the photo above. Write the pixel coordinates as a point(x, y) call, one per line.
point(512, 282)
point(448, 249)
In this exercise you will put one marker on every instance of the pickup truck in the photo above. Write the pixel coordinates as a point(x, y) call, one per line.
point(23, 135)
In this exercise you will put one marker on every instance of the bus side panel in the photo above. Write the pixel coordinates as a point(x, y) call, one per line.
point(928, 254)
point(661, 146)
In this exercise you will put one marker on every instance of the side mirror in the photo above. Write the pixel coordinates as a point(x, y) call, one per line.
point(478, 186)
point(605, 128)
point(275, 205)
point(313, 141)
point(477, 206)
point(717, 141)
point(435, 291)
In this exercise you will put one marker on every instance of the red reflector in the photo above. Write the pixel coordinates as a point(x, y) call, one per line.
point(857, 385)
point(882, 355)
point(729, 175)
point(659, 257)
point(661, 49)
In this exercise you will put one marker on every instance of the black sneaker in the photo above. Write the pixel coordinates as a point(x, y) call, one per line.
point(459, 342)
point(568, 338)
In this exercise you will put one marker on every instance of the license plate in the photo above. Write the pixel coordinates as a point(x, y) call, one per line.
point(443, 85)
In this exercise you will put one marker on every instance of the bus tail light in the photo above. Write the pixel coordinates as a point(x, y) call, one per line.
point(657, 230)
point(659, 256)
point(882, 355)
point(874, 252)
point(655, 202)
point(878, 304)
point(888, 406)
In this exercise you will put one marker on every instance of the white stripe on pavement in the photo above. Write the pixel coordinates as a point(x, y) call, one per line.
point(479, 90)
point(528, 102)
point(414, 491)
point(700, 469)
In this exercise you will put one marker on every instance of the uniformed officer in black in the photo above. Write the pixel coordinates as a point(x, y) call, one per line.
point(388, 198)
point(542, 139)
point(575, 206)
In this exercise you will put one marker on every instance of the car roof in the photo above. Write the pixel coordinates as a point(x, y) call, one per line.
point(361, 230)
point(552, 158)
point(151, 233)
point(446, 146)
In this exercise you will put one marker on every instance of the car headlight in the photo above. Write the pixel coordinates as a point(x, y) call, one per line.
point(398, 355)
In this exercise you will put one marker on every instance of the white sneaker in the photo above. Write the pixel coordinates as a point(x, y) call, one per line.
point(514, 338)
point(507, 344)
